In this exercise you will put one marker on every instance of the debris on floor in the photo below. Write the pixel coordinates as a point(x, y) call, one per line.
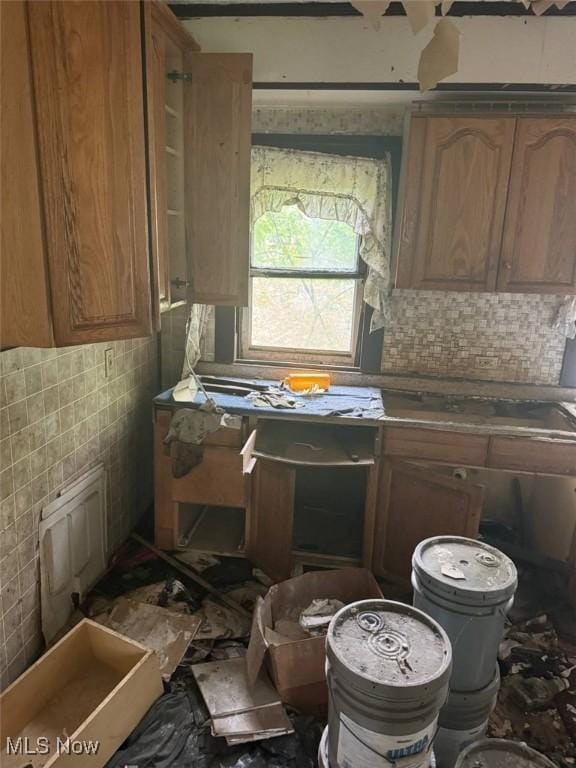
point(318, 615)
point(249, 732)
point(240, 711)
point(167, 634)
point(537, 699)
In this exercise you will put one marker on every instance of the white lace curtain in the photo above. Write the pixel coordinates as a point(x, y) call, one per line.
point(355, 190)
point(195, 330)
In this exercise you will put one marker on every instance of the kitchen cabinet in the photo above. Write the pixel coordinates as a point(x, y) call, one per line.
point(81, 246)
point(24, 288)
point(489, 204)
point(199, 119)
point(271, 480)
point(455, 196)
point(80, 206)
point(539, 247)
point(415, 503)
point(74, 251)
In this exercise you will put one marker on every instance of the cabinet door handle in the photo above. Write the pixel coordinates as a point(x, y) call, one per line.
point(507, 265)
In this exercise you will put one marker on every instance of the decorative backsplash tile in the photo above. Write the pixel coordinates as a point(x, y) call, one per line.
point(494, 337)
point(60, 415)
point(370, 121)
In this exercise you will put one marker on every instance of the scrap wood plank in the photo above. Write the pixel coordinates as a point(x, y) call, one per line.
point(191, 574)
point(168, 634)
point(227, 690)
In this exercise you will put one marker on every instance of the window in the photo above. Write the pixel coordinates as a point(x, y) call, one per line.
point(306, 289)
point(307, 303)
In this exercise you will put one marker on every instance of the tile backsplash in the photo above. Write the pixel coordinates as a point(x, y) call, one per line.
point(367, 121)
point(487, 336)
point(59, 416)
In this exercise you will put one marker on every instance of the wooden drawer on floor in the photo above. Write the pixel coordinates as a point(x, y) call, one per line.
point(436, 445)
point(555, 457)
point(218, 480)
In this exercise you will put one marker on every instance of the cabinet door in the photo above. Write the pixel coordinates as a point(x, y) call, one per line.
point(24, 293)
point(457, 171)
point(270, 518)
point(539, 248)
point(217, 146)
point(415, 503)
point(87, 66)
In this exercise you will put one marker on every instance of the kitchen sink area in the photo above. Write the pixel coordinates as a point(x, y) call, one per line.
point(482, 412)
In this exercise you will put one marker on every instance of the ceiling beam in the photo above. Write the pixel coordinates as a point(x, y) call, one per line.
point(189, 10)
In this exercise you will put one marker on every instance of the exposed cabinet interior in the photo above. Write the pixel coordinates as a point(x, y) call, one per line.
point(199, 117)
point(167, 42)
point(489, 204)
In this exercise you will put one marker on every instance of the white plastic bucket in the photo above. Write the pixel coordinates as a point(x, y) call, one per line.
point(387, 669)
point(467, 587)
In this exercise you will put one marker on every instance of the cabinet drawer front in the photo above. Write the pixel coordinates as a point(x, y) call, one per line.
point(436, 445)
point(217, 480)
point(533, 455)
point(225, 436)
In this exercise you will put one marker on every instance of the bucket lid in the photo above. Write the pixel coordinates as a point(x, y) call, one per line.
point(389, 644)
point(454, 565)
point(501, 753)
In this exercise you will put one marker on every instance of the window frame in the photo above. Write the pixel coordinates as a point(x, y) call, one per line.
point(229, 327)
point(249, 351)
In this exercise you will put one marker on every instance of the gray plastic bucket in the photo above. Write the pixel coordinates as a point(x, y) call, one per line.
point(501, 753)
point(449, 743)
point(468, 587)
point(388, 667)
point(465, 710)
point(463, 720)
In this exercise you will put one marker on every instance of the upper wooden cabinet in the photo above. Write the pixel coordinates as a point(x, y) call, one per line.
point(199, 117)
point(85, 154)
point(455, 192)
point(86, 100)
point(539, 247)
point(489, 204)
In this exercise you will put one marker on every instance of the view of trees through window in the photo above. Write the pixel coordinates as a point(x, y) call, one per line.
point(304, 282)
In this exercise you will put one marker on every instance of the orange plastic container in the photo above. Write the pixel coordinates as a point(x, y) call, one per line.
point(306, 381)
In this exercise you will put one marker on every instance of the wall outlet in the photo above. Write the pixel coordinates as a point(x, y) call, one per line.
point(486, 363)
point(108, 362)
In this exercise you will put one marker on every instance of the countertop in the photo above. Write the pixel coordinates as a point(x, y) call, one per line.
point(366, 406)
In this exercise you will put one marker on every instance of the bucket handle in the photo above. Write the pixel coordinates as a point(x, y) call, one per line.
point(402, 761)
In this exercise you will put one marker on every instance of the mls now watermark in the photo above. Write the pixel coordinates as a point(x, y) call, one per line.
point(43, 745)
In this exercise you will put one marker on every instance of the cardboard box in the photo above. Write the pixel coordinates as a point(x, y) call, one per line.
point(297, 667)
point(78, 702)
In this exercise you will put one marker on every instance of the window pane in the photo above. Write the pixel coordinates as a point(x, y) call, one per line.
point(300, 313)
point(289, 239)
